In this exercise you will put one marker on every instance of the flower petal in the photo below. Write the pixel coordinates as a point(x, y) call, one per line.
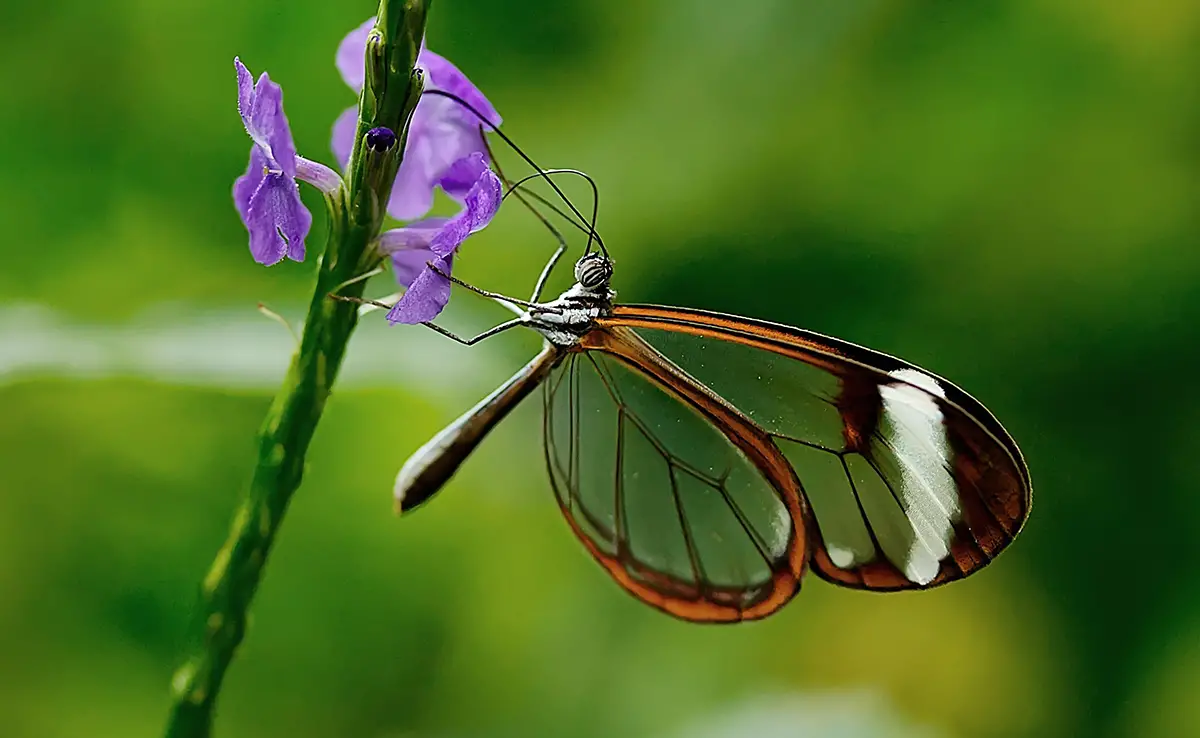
point(436, 240)
point(245, 91)
point(351, 53)
point(245, 185)
point(295, 220)
point(266, 245)
point(427, 296)
point(318, 175)
point(412, 192)
point(408, 247)
point(480, 206)
point(445, 76)
point(269, 125)
point(342, 143)
point(415, 235)
point(437, 139)
point(463, 173)
point(484, 198)
point(277, 220)
point(408, 265)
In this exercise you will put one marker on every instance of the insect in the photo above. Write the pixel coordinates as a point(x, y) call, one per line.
point(705, 461)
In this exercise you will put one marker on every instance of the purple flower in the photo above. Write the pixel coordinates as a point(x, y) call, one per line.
point(435, 240)
point(266, 196)
point(441, 135)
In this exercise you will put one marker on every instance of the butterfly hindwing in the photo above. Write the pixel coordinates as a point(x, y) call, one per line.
point(671, 500)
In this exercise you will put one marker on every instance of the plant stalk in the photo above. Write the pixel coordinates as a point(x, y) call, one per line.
point(356, 215)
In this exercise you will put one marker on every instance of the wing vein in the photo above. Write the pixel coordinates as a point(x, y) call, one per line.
point(862, 511)
point(746, 527)
point(688, 542)
point(619, 524)
point(802, 442)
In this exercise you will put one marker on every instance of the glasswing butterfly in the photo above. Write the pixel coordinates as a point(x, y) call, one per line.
point(705, 460)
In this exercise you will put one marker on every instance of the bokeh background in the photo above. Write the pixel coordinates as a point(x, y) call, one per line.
point(1005, 193)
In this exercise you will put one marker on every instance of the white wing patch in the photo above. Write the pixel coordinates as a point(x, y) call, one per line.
point(844, 558)
point(914, 435)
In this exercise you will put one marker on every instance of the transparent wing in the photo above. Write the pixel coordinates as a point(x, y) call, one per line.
point(910, 481)
point(673, 505)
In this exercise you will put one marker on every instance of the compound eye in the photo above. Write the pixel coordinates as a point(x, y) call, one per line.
point(593, 271)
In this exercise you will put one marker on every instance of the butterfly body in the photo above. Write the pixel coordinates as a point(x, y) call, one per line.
point(564, 321)
point(705, 460)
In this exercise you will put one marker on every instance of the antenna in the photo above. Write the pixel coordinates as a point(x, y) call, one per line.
point(591, 231)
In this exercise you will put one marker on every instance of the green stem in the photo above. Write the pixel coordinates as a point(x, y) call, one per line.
point(356, 217)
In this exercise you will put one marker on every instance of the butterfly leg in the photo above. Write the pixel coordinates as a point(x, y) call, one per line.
point(475, 339)
point(361, 301)
point(546, 270)
point(493, 295)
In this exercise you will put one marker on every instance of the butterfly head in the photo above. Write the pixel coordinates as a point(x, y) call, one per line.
point(593, 271)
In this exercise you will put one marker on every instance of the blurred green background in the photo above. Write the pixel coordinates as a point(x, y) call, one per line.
point(1005, 193)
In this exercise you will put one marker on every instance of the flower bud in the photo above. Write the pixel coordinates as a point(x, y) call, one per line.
point(376, 61)
point(380, 139)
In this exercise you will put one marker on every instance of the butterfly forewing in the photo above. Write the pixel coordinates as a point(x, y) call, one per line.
point(663, 497)
point(911, 482)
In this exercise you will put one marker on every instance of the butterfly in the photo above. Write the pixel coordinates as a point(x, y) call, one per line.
point(706, 461)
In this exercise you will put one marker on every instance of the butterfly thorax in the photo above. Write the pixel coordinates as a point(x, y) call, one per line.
point(566, 319)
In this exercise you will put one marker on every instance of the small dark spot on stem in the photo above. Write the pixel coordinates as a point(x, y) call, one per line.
point(380, 139)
